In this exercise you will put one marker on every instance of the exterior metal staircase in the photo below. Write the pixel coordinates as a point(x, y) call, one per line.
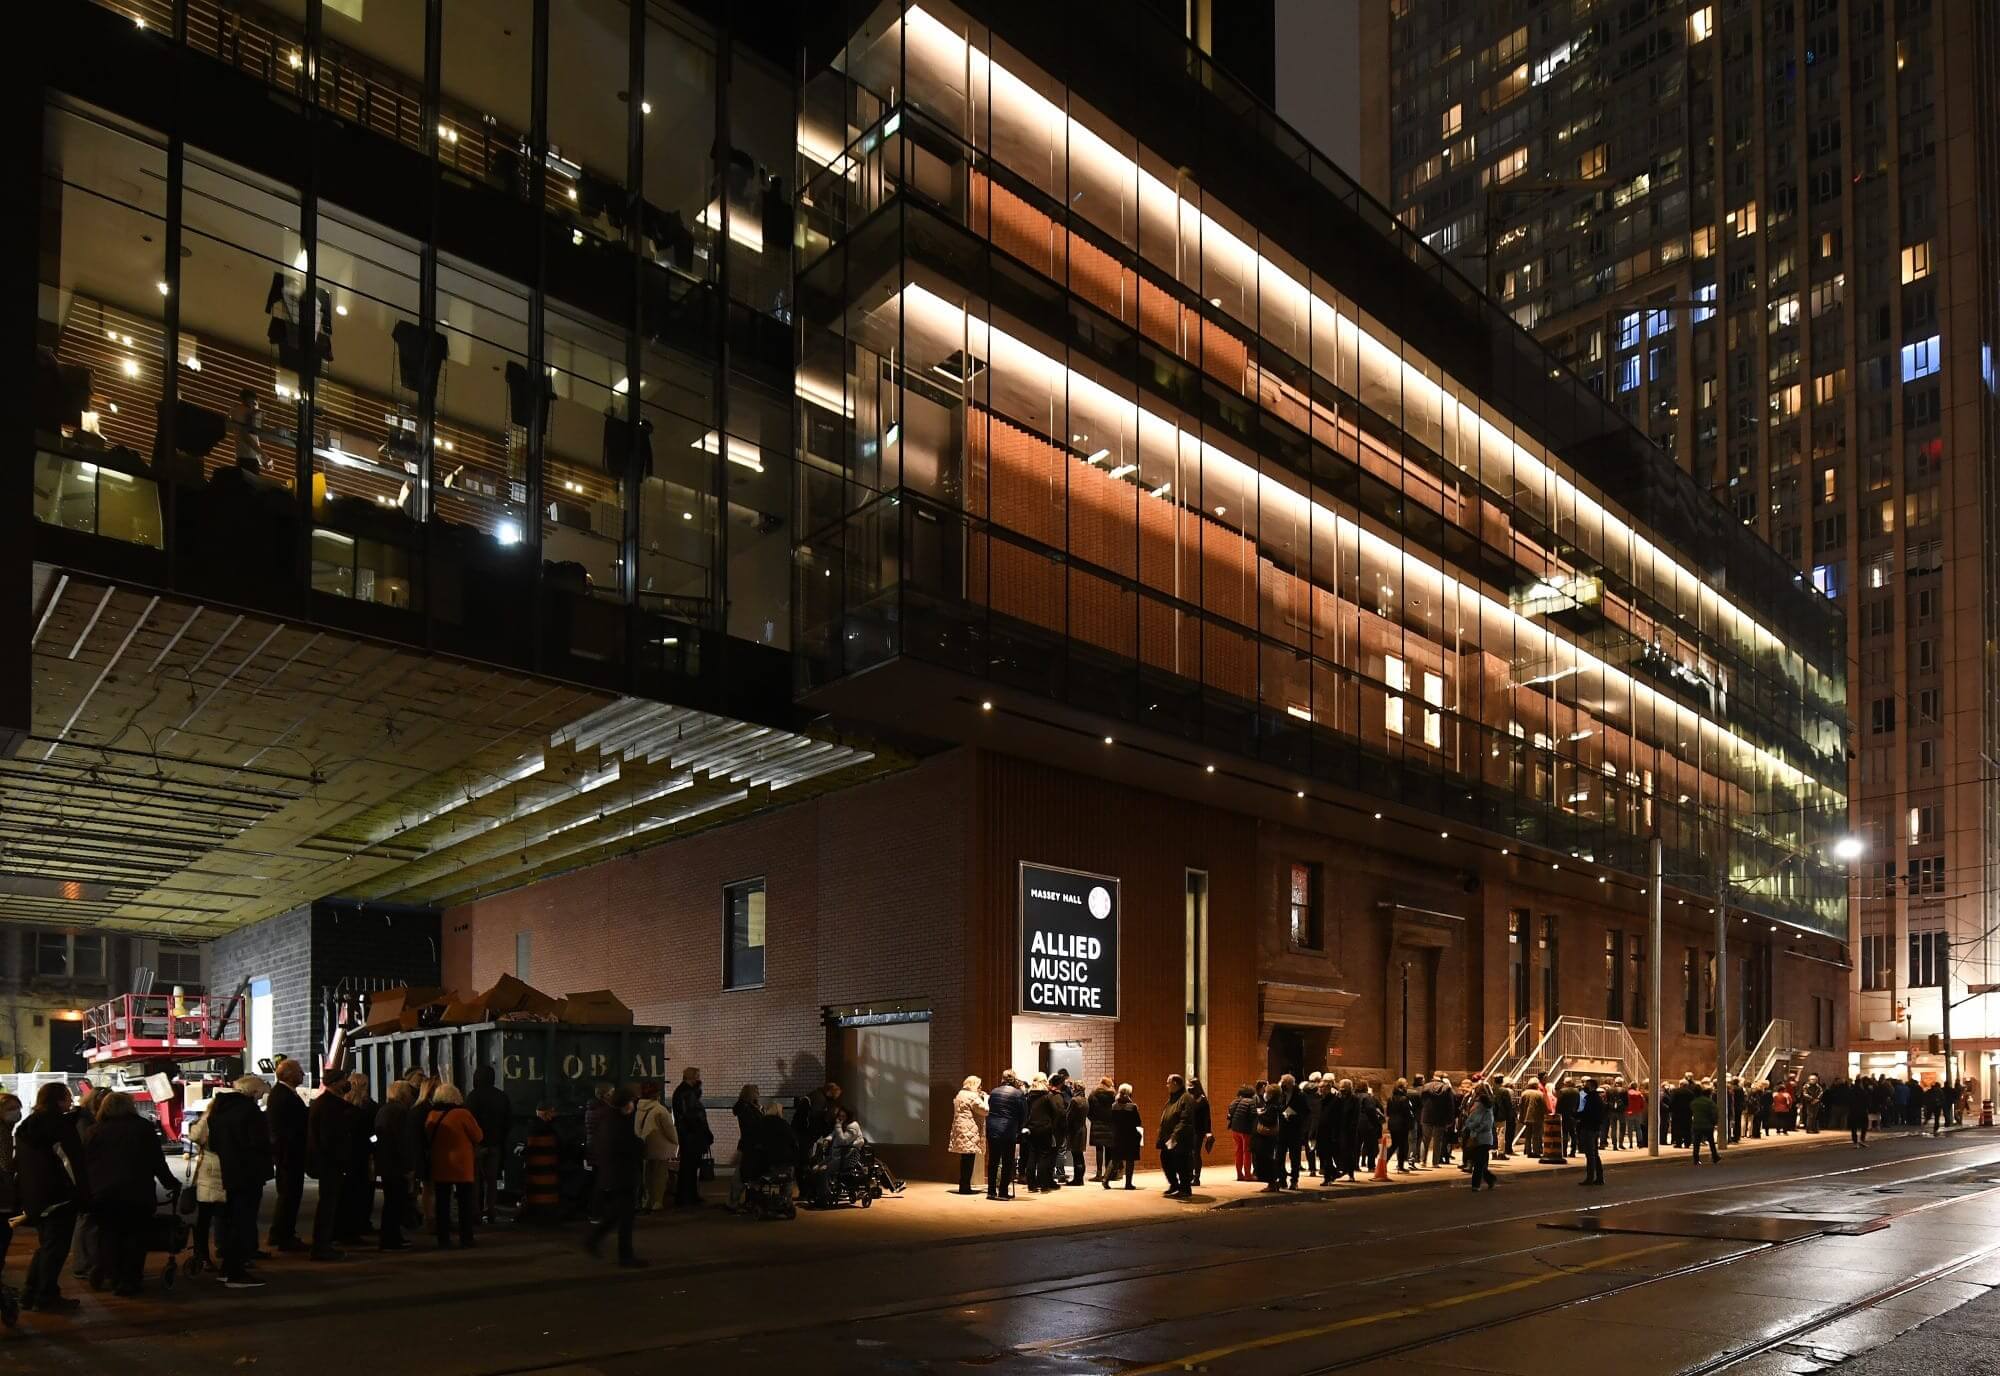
point(1776, 1049)
point(1582, 1046)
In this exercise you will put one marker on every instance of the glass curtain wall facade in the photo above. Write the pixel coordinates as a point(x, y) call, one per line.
point(1073, 425)
point(469, 329)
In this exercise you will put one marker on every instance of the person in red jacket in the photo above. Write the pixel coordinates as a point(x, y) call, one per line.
point(454, 1137)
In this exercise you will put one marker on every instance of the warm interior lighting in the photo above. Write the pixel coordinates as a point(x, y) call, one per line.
point(741, 452)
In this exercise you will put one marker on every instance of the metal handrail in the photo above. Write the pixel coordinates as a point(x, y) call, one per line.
point(1776, 1043)
point(1570, 1038)
point(1508, 1052)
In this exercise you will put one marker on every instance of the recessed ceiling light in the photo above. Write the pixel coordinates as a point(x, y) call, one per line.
point(1444, 836)
point(1107, 740)
point(986, 706)
point(1302, 793)
point(1378, 816)
point(1211, 769)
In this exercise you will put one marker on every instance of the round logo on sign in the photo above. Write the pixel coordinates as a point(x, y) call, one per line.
point(1100, 902)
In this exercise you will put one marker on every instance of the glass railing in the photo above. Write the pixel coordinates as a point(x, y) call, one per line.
point(98, 496)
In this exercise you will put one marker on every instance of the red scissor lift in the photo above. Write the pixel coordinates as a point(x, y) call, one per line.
point(155, 1034)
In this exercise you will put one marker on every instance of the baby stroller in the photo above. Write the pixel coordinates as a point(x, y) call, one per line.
point(768, 1197)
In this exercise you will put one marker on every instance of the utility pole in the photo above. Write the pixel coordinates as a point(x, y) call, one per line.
point(1944, 1001)
point(1725, 1110)
point(1656, 891)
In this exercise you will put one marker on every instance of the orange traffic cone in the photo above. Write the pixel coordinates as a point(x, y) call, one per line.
point(1986, 1113)
point(1382, 1157)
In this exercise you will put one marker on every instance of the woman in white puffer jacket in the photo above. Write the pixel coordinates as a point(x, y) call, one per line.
point(209, 1196)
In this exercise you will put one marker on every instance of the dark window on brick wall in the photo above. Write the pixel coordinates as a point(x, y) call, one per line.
point(743, 934)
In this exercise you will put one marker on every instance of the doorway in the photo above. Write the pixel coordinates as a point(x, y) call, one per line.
point(66, 1047)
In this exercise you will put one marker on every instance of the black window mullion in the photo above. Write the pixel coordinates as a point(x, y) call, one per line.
point(309, 322)
point(538, 373)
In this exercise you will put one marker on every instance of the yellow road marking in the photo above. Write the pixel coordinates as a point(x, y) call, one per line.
point(1194, 1359)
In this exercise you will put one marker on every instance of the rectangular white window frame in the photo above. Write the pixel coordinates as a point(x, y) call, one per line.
point(1397, 675)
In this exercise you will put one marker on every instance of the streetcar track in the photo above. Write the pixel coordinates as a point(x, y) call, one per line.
point(1744, 1353)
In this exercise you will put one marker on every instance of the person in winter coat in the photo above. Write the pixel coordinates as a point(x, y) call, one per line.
point(1590, 1129)
point(454, 1156)
point(1436, 1109)
point(286, 1117)
point(746, 1110)
point(1402, 1117)
point(1201, 1128)
point(1096, 1110)
point(1127, 1130)
point(1506, 1107)
point(1006, 1111)
point(392, 1163)
point(1635, 1111)
point(124, 1160)
point(1479, 1132)
point(53, 1183)
point(495, 1111)
point(1703, 1113)
point(1368, 1133)
point(211, 1196)
point(1173, 1140)
point(1241, 1120)
point(329, 1133)
point(1534, 1116)
point(659, 1143)
point(691, 1124)
point(1078, 1130)
point(1046, 1112)
point(619, 1171)
point(10, 1115)
point(1267, 1137)
point(968, 1129)
point(773, 1149)
point(1294, 1126)
point(357, 1196)
point(240, 1143)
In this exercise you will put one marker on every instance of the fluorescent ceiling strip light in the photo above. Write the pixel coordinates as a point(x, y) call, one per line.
point(741, 452)
point(742, 228)
point(1159, 435)
point(1011, 96)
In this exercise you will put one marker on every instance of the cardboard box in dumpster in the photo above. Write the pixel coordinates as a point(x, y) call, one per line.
point(395, 1010)
point(596, 1006)
point(510, 996)
point(460, 1010)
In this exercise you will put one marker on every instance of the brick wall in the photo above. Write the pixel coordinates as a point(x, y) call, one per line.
point(278, 949)
point(864, 904)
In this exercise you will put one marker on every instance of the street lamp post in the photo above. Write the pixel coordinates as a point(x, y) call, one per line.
point(1725, 1111)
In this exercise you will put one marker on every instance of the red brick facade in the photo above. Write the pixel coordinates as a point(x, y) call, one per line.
point(902, 894)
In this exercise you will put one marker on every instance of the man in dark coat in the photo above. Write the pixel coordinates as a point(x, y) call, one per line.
point(1295, 1113)
point(620, 1156)
point(329, 1133)
point(1680, 1111)
point(393, 1161)
point(494, 1113)
point(1006, 1111)
point(1589, 1129)
point(1173, 1140)
point(691, 1125)
point(241, 1142)
point(1079, 1130)
point(1505, 1106)
point(54, 1185)
point(1436, 1107)
point(286, 1118)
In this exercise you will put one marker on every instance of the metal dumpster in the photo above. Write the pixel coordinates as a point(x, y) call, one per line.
point(532, 1061)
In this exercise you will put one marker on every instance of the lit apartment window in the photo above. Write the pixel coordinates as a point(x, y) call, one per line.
point(1704, 241)
point(1917, 261)
point(1920, 359)
point(1827, 386)
point(1742, 220)
point(1509, 166)
point(1453, 119)
point(1829, 486)
point(1433, 720)
point(1397, 675)
point(1701, 24)
point(1591, 164)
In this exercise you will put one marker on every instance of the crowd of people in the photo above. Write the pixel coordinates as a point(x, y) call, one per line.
point(82, 1170)
point(1037, 1133)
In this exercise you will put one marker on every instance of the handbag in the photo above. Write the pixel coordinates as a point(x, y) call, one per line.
point(1266, 1129)
point(707, 1166)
